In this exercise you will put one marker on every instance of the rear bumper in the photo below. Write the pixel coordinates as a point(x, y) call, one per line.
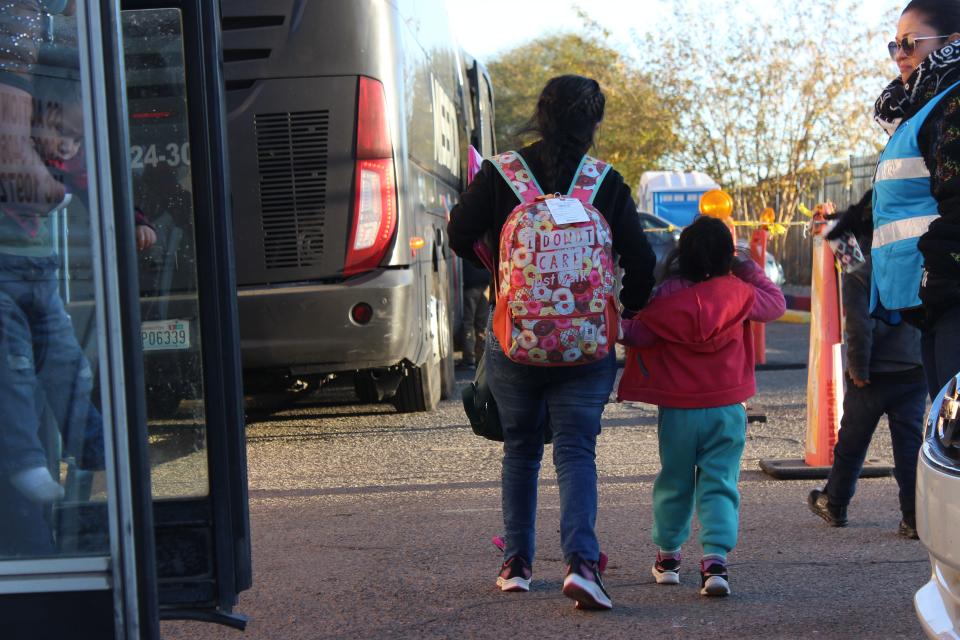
point(307, 328)
point(937, 603)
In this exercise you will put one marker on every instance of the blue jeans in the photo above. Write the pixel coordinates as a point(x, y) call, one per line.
point(42, 365)
point(903, 399)
point(26, 530)
point(575, 397)
point(940, 349)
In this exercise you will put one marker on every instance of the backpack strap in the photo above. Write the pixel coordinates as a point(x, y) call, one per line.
point(587, 179)
point(515, 171)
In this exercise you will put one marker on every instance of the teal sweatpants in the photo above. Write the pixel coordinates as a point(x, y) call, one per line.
point(700, 452)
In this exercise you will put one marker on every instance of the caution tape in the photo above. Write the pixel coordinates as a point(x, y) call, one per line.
point(774, 228)
point(822, 209)
point(759, 223)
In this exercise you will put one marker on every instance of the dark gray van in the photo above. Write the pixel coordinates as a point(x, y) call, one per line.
point(349, 122)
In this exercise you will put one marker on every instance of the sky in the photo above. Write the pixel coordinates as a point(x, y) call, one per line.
point(506, 23)
point(501, 24)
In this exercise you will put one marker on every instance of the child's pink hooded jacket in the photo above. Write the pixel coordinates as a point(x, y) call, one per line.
point(691, 347)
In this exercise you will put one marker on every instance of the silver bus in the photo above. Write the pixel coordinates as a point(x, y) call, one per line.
point(348, 125)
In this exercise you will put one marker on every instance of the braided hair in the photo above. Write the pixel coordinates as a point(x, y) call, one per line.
point(705, 250)
point(568, 112)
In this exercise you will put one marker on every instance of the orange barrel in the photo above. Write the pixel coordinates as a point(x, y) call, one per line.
point(758, 251)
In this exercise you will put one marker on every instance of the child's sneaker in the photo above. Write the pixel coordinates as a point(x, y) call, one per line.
point(515, 575)
point(666, 570)
point(584, 585)
point(714, 580)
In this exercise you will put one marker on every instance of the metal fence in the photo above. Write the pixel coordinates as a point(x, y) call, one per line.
point(843, 187)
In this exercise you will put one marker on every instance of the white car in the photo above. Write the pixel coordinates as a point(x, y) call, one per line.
point(938, 516)
point(773, 269)
point(663, 236)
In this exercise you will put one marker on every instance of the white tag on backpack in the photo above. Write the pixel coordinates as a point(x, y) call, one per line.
point(567, 210)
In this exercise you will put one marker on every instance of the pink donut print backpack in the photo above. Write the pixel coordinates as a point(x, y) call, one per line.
point(555, 293)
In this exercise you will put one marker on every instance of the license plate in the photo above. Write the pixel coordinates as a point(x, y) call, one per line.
point(163, 335)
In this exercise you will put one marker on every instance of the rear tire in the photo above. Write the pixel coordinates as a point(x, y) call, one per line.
point(419, 388)
point(163, 402)
point(365, 388)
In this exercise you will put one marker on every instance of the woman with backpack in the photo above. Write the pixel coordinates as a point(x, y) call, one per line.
point(555, 312)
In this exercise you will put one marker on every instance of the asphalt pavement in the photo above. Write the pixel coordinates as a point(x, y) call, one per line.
point(371, 524)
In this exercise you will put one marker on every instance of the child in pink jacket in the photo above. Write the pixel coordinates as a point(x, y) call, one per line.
point(690, 351)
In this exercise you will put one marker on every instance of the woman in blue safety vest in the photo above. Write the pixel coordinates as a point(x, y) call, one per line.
point(916, 206)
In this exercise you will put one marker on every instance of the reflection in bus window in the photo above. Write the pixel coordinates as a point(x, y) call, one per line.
point(162, 192)
point(51, 439)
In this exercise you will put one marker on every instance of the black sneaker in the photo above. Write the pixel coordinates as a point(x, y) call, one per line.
point(584, 585)
point(666, 569)
point(714, 580)
point(515, 575)
point(908, 527)
point(819, 503)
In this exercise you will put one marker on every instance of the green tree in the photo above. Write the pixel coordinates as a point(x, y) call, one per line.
point(637, 129)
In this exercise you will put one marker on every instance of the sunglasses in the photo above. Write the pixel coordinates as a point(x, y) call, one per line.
point(908, 45)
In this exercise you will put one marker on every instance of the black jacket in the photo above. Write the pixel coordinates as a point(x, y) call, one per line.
point(488, 201)
point(939, 141)
point(873, 346)
point(475, 277)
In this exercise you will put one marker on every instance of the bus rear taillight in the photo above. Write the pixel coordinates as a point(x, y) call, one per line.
point(375, 203)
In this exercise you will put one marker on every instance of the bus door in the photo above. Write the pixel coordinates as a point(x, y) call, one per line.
point(116, 293)
point(76, 541)
point(189, 334)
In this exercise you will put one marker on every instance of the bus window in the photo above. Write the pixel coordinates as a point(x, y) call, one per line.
point(486, 117)
point(162, 193)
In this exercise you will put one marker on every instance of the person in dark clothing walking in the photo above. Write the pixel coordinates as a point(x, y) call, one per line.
point(569, 110)
point(884, 376)
point(476, 308)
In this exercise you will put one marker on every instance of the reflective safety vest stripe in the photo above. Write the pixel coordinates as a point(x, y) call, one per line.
point(902, 230)
point(902, 168)
point(903, 208)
